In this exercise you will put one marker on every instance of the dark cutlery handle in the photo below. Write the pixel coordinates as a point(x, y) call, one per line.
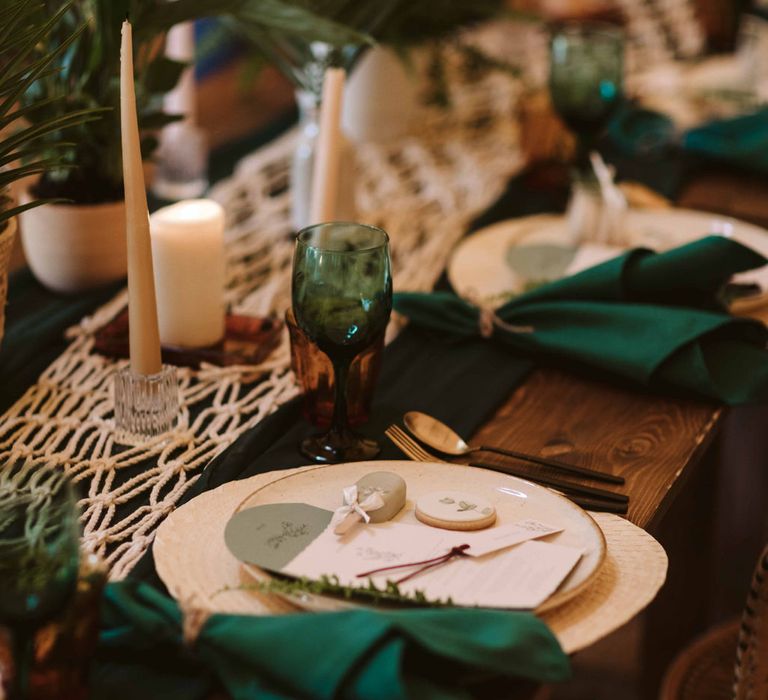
point(566, 486)
point(555, 464)
point(601, 506)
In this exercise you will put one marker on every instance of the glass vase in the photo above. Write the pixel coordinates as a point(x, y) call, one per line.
point(303, 165)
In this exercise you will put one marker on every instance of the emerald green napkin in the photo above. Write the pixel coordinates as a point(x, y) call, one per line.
point(654, 319)
point(740, 140)
point(424, 653)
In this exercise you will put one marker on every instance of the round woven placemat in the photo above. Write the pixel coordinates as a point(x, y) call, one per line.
point(199, 570)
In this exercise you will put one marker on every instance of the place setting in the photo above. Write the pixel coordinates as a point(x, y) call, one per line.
point(358, 533)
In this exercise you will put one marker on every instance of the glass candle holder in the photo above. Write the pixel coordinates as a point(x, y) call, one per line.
point(145, 405)
point(314, 373)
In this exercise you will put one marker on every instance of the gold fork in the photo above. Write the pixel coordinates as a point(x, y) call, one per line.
point(608, 500)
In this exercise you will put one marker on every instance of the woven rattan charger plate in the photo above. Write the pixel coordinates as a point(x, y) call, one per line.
point(199, 570)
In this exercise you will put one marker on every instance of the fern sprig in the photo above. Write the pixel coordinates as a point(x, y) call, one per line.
point(388, 594)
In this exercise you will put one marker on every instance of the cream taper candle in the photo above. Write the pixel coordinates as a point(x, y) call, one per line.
point(188, 252)
point(142, 310)
point(325, 176)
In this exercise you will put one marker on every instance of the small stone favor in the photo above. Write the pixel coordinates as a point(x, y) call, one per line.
point(376, 497)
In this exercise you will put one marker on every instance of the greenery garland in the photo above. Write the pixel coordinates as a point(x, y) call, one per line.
point(388, 594)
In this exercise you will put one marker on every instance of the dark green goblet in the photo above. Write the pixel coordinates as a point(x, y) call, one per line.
point(585, 80)
point(342, 299)
point(39, 556)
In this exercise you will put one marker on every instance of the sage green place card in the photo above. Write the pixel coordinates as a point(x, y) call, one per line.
point(540, 263)
point(272, 535)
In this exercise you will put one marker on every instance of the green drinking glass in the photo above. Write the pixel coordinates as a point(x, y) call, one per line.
point(586, 72)
point(39, 557)
point(342, 299)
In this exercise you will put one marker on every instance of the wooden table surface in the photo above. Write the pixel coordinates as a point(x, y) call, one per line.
point(652, 441)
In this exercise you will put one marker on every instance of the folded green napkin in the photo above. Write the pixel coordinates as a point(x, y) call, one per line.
point(740, 140)
point(654, 319)
point(419, 653)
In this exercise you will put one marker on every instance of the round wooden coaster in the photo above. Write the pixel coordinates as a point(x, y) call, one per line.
point(455, 510)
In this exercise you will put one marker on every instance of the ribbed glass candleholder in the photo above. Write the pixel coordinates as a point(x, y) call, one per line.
point(146, 405)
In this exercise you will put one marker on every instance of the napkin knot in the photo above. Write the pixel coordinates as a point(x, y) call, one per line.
point(193, 620)
point(487, 320)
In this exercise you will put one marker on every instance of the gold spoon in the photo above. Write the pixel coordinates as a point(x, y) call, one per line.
point(442, 438)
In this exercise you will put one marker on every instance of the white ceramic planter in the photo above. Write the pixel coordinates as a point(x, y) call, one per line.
point(383, 97)
point(71, 248)
point(6, 246)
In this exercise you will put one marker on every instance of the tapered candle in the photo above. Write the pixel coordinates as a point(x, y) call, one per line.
point(325, 176)
point(142, 308)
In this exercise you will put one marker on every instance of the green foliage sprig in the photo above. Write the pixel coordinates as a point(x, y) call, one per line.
point(388, 594)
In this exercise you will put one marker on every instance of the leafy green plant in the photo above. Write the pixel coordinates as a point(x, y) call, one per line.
point(25, 129)
point(86, 76)
point(388, 593)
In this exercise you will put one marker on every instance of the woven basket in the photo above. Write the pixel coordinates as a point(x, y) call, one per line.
point(6, 245)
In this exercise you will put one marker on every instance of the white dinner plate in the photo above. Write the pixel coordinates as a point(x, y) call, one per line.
point(480, 270)
point(515, 499)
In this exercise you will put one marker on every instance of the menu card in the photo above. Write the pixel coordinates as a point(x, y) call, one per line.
point(504, 567)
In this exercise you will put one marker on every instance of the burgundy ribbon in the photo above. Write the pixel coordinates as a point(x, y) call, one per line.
point(425, 565)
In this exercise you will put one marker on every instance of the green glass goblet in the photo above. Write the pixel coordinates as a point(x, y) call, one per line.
point(39, 556)
point(585, 80)
point(342, 299)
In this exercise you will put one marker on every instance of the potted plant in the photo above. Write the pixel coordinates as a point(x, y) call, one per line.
point(79, 244)
point(24, 152)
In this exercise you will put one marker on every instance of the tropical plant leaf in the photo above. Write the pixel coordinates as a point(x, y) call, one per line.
point(7, 213)
point(25, 26)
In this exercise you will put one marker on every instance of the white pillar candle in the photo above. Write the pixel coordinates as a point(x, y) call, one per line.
point(142, 310)
point(188, 250)
point(180, 46)
point(325, 177)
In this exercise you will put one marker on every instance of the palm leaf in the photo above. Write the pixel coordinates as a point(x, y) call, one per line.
point(6, 214)
point(24, 27)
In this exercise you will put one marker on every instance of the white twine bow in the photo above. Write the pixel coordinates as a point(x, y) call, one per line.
point(373, 501)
